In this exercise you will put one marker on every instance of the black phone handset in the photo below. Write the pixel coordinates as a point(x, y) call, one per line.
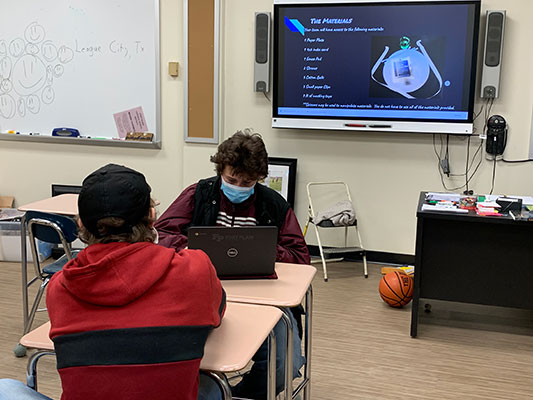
point(496, 135)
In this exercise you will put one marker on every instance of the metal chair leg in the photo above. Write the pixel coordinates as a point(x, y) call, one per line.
point(222, 382)
point(35, 306)
point(31, 369)
point(321, 254)
point(308, 343)
point(364, 252)
point(289, 356)
point(271, 360)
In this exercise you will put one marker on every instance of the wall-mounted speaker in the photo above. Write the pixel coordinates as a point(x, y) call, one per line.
point(262, 52)
point(492, 56)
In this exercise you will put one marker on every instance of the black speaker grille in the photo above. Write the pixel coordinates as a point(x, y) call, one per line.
point(494, 39)
point(261, 38)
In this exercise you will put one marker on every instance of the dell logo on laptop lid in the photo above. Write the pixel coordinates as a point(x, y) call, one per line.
point(232, 252)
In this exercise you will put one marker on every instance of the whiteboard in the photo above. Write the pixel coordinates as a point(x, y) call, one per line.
point(76, 63)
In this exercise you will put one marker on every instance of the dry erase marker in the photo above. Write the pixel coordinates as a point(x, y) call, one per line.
point(355, 125)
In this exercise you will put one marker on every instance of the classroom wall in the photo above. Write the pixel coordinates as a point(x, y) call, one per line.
point(385, 171)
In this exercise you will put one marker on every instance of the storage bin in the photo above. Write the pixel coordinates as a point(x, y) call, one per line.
point(10, 244)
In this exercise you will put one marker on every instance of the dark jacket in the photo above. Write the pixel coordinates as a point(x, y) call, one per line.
point(270, 208)
point(200, 204)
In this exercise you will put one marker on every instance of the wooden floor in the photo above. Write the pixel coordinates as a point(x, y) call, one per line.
point(361, 346)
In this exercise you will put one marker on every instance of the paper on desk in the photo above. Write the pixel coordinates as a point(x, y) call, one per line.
point(130, 121)
point(7, 214)
point(492, 204)
point(443, 196)
point(431, 207)
point(526, 200)
point(486, 209)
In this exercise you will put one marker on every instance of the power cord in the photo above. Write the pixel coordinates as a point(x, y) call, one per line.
point(444, 162)
point(493, 175)
point(516, 161)
point(468, 165)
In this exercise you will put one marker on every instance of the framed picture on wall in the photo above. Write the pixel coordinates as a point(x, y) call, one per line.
point(282, 177)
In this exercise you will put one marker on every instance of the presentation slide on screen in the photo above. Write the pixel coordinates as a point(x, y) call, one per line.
point(395, 61)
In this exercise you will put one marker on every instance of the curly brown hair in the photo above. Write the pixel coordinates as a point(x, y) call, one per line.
point(245, 153)
point(141, 232)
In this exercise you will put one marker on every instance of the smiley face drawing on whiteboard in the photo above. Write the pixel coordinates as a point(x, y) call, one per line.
point(34, 33)
point(58, 70)
point(5, 68)
point(16, 47)
point(3, 47)
point(49, 51)
point(29, 73)
point(7, 106)
point(65, 54)
point(33, 104)
point(5, 86)
point(32, 48)
point(48, 95)
point(21, 107)
point(29, 65)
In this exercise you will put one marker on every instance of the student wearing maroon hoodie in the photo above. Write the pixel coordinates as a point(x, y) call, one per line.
point(234, 198)
point(129, 318)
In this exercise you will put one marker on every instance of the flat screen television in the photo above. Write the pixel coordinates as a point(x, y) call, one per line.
point(401, 66)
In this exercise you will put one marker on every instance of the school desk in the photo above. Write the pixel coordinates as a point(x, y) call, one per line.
point(474, 259)
point(229, 348)
point(65, 204)
point(292, 285)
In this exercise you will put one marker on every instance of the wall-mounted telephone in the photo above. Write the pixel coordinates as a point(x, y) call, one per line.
point(496, 135)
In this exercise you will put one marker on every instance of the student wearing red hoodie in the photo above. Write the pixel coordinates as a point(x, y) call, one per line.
point(129, 318)
point(235, 198)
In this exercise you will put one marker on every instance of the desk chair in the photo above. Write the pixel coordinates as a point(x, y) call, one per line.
point(49, 228)
point(328, 193)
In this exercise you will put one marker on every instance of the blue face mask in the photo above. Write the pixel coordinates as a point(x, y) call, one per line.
point(236, 194)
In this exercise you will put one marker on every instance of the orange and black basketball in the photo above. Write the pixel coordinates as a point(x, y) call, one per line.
point(396, 289)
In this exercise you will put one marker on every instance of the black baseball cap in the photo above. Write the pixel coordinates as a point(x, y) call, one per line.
point(114, 191)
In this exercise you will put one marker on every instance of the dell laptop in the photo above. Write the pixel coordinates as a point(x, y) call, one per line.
point(238, 252)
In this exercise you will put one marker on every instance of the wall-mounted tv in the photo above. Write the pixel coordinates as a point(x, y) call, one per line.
point(402, 66)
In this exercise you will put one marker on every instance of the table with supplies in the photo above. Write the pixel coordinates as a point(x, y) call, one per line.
point(471, 258)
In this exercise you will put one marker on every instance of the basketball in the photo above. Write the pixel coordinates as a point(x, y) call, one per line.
point(396, 289)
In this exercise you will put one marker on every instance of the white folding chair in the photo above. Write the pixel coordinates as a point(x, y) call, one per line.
point(334, 191)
